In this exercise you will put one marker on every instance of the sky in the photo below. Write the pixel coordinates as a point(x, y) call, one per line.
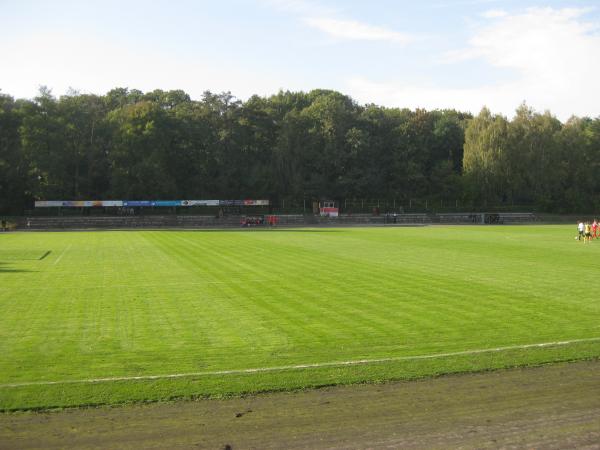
point(433, 54)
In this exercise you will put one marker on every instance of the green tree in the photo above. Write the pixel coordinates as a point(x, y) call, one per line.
point(142, 138)
point(14, 167)
point(533, 156)
point(42, 139)
point(485, 159)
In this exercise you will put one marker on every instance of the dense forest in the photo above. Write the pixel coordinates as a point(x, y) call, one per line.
point(163, 145)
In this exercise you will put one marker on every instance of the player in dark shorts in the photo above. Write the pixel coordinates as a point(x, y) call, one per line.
point(588, 232)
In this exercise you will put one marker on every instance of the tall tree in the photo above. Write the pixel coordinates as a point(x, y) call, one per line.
point(142, 139)
point(485, 160)
point(533, 155)
point(130, 144)
point(14, 167)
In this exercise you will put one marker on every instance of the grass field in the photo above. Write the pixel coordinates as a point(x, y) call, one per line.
point(190, 313)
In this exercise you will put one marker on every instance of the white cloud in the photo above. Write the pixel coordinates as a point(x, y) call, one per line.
point(498, 98)
point(461, 3)
point(300, 7)
point(96, 66)
point(553, 54)
point(494, 14)
point(353, 30)
point(328, 20)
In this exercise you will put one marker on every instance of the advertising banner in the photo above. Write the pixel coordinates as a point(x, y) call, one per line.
point(256, 202)
point(200, 203)
point(247, 202)
point(330, 212)
point(117, 203)
point(48, 203)
point(167, 203)
point(145, 203)
point(76, 203)
point(130, 203)
point(73, 203)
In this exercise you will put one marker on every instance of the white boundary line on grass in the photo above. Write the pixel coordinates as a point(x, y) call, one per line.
point(298, 366)
point(62, 254)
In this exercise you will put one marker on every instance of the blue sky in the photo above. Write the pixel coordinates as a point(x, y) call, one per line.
point(461, 54)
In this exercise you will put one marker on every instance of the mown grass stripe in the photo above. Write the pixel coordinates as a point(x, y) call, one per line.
point(122, 304)
point(302, 366)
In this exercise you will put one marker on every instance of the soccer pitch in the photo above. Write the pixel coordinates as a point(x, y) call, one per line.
point(118, 316)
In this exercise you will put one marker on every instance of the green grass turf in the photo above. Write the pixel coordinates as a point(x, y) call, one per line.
point(136, 303)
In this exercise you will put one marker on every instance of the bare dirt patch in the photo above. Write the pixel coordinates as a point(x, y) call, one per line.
point(555, 406)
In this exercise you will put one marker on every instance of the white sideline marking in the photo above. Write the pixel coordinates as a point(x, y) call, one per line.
point(62, 254)
point(299, 366)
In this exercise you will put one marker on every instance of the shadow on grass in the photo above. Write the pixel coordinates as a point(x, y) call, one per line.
point(24, 258)
point(5, 269)
point(258, 229)
point(295, 230)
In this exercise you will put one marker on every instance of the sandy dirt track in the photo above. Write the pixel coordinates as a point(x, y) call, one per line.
point(555, 406)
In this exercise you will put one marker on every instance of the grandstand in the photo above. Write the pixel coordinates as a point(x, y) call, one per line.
point(286, 220)
point(486, 218)
point(198, 214)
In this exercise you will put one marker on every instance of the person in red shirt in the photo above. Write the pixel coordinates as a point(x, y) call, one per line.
point(594, 229)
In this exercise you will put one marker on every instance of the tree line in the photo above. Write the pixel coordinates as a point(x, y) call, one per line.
point(128, 144)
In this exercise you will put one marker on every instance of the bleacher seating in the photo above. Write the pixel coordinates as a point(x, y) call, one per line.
point(489, 218)
point(508, 218)
point(234, 221)
point(124, 222)
point(460, 218)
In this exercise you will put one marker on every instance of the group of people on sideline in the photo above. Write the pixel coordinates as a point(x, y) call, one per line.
point(588, 231)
